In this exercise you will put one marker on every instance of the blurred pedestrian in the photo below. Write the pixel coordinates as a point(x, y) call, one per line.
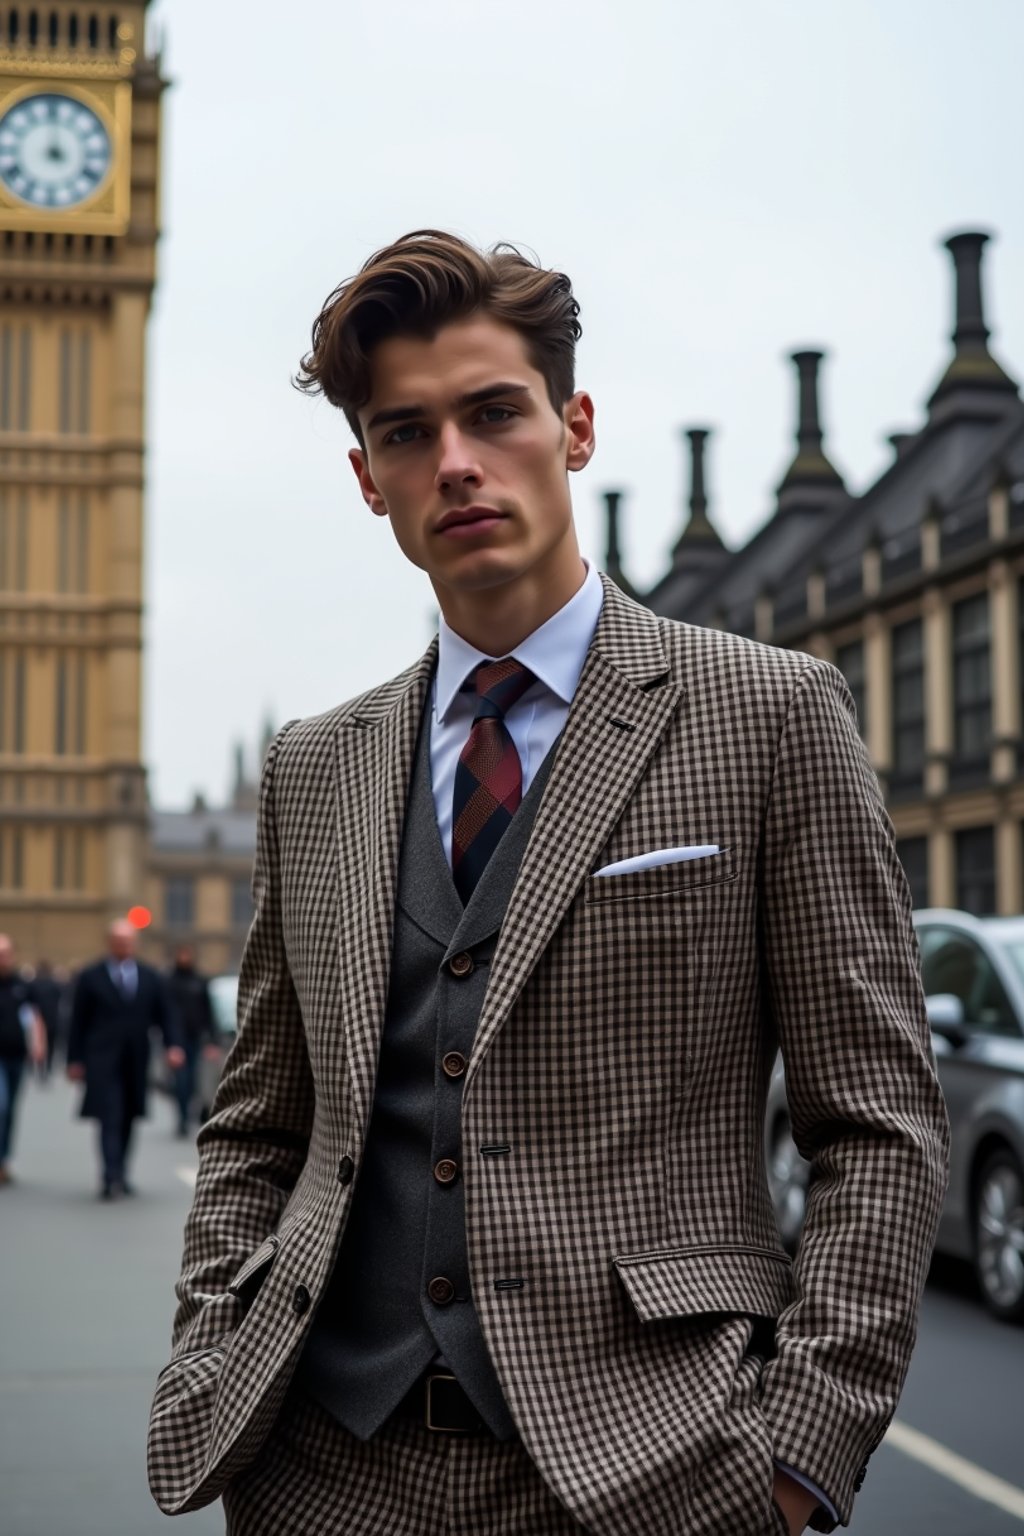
point(22, 1039)
point(47, 995)
point(190, 997)
point(117, 1001)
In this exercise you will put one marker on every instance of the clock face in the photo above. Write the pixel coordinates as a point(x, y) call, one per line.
point(54, 151)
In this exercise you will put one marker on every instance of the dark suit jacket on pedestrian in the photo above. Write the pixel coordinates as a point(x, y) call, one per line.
point(624, 1257)
point(110, 1035)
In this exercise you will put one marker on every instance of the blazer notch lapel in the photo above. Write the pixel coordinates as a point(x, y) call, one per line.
point(596, 769)
point(374, 753)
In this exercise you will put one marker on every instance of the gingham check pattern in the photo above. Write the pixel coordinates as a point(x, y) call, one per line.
point(313, 1478)
point(623, 1051)
point(488, 776)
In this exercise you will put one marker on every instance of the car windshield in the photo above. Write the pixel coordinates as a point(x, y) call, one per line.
point(1015, 949)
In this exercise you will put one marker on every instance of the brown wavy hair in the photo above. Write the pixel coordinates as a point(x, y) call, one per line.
point(426, 280)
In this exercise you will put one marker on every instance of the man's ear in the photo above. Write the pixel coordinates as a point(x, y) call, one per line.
point(374, 500)
point(578, 416)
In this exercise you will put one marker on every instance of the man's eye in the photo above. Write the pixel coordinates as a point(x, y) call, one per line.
point(495, 414)
point(406, 434)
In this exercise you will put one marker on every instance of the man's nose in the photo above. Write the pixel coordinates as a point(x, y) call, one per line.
point(457, 464)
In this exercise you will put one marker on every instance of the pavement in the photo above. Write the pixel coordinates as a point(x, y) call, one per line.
point(87, 1305)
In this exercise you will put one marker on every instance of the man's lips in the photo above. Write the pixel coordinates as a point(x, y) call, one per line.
point(462, 521)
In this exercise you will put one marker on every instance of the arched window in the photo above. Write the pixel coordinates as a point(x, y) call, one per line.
point(73, 30)
point(54, 29)
point(112, 32)
point(94, 31)
point(12, 25)
point(33, 28)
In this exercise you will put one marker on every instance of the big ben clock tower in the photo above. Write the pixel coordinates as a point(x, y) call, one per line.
point(79, 220)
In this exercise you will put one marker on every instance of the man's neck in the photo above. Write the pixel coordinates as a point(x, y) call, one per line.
point(498, 619)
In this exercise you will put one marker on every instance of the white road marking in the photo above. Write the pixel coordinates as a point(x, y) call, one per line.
point(983, 1485)
point(187, 1176)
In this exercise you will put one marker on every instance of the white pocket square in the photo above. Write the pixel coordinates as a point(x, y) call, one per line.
point(658, 857)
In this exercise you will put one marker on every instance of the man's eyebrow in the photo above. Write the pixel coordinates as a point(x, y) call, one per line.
point(397, 413)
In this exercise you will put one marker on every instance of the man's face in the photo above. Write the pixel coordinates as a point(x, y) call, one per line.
point(121, 940)
point(467, 456)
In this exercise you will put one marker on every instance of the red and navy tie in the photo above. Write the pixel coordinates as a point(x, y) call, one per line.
point(489, 775)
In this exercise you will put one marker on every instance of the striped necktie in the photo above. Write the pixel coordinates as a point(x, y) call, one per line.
point(489, 775)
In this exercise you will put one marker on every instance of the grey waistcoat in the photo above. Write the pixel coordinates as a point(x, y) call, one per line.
point(377, 1328)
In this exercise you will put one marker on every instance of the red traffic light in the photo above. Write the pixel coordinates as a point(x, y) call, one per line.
point(140, 917)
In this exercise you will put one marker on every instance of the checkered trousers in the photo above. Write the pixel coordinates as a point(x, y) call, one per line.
point(621, 1251)
point(313, 1477)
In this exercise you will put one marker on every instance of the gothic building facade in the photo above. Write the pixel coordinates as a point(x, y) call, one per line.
point(915, 590)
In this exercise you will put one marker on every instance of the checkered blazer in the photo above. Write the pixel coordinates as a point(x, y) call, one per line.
point(624, 1048)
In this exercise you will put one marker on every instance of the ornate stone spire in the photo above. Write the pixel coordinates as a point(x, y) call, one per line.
point(973, 378)
point(613, 558)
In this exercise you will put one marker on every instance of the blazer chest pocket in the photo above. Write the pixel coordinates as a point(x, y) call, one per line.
point(248, 1282)
point(686, 1282)
point(664, 879)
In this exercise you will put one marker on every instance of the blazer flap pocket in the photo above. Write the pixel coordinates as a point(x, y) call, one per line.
point(685, 1282)
point(252, 1273)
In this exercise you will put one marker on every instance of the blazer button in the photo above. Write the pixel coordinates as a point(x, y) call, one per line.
point(446, 1172)
point(300, 1300)
point(460, 965)
point(346, 1169)
point(441, 1291)
point(454, 1064)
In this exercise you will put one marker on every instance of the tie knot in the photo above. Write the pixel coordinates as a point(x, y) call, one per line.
point(499, 685)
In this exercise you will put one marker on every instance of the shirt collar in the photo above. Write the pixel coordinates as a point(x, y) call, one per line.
point(554, 653)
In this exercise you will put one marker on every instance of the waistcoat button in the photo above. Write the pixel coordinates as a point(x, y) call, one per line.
point(441, 1291)
point(300, 1300)
point(445, 1172)
point(346, 1170)
point(454, 1064)
point(460, 965)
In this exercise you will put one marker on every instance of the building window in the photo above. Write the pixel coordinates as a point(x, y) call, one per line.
point(180, 902)
point(21, 544)
point(81, 703)
point(6, 372)
point(64, 393)
point(59, 871)
point(84, 382)
point(19, 702)
point(913, 852)
point(60, 724)
point(17, 859)
point(908, 703)
point(972, 679)
point(241, 904)
point(976, 871)
point(850, 661)
point(82, 571)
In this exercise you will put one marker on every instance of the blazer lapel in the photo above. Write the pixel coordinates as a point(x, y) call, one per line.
point(623, 704)
point(375, 747)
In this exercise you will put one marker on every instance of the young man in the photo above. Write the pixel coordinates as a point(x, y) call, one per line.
point(481, 1240)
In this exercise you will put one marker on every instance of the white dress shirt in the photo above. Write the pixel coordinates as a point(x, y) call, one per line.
point(554, 653)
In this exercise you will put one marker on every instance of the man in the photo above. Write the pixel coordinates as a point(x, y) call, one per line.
point(48, 993)
point(481, 1240)
point(190, 998)
point(117, 1002)
point(22, 1038)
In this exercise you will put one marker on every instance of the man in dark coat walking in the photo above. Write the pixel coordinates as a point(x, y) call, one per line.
point(117, 1002)
point(190, 996)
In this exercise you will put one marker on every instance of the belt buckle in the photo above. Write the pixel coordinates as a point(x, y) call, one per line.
point(442, 1429)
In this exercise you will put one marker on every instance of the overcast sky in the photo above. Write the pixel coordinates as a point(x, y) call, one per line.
point(723, 182)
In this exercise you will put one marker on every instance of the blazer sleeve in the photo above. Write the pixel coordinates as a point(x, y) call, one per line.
point(253, 1147)
point(843, 982)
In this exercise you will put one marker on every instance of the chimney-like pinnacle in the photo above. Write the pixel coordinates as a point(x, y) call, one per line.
point(811, 479)
point(973, 378)
point(699, 529)
point(613, 557)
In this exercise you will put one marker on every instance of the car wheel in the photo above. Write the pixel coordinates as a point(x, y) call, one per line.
point(787, 1182)
point(999, 1235)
